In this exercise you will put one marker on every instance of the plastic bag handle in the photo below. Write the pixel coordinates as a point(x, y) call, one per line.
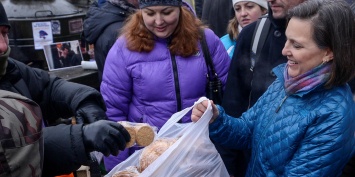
point(177, 116)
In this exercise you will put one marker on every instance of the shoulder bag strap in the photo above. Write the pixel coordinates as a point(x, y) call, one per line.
point(259, 37)
point(207, 56)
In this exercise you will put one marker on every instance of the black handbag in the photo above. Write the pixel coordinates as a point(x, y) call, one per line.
point(214, 90)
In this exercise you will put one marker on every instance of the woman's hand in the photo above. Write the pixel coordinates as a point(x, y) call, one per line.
point(200, 108)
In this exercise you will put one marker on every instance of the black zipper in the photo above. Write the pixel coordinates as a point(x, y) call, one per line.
point(177, 85)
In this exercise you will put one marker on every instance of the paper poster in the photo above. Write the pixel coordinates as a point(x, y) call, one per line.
point(63, 55)
point(56, 27)
point(42, 34)
point(75, 26)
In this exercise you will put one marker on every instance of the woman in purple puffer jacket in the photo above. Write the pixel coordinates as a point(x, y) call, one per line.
point(157, 68)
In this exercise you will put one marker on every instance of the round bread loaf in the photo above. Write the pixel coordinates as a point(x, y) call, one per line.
point(144, 134)
point(153, 151)
point(132, 132)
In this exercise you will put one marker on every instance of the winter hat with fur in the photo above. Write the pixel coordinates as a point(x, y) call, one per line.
point(146, 3)
point(262, 3)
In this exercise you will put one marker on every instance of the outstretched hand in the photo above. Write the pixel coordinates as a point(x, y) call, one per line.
point(105, 136)
point(200, 108)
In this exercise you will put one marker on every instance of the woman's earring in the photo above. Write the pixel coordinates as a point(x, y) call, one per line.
point(325, 61)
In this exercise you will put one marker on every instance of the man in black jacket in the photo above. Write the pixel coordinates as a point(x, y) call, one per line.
point(102, 25)
point(245, 85)
point(66, 147)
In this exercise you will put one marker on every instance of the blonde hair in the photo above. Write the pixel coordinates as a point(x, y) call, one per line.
point(232, 28)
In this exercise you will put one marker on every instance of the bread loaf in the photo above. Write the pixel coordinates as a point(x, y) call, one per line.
point(153, 151)
point(144, 134)
point(130, 171)
point(132, 132)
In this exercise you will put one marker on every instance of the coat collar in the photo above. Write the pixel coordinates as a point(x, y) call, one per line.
point(279, 72)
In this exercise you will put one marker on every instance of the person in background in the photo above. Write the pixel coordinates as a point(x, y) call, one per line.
point(349, 169)
point(246, 12)
point(216, 14)
point(66, 147)
point(198, 8)
point(156, 67)
point(191, 3)
point(102, 24)
point(297, 127)
point(21, 119)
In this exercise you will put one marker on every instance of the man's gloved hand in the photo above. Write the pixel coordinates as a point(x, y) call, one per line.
point(89, 112)
point(105, 136)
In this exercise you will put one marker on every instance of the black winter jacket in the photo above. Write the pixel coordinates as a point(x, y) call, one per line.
point(57, 99)
point(244, 86)
point(216, 14)
point(101, 28)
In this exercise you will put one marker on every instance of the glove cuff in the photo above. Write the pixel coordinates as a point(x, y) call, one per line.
point(78, 145)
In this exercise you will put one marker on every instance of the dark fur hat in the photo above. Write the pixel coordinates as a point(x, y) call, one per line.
point(146, 3)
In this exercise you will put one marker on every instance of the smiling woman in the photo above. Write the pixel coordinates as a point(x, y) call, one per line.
point(302, 52)
point(297, 127)
point(157, 68)
point(161, 20)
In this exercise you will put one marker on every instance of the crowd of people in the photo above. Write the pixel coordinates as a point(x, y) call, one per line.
point(285, 67)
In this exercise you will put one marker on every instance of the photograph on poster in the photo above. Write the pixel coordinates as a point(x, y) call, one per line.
point(63, 55)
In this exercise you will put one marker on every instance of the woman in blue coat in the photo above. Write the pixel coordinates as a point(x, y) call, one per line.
point(303, 125)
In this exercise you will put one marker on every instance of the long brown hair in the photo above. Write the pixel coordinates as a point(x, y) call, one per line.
point(184, 39)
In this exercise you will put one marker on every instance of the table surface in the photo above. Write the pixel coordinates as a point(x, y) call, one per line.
point(78, 75)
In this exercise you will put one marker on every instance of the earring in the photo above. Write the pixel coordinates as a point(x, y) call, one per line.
point(325, 61)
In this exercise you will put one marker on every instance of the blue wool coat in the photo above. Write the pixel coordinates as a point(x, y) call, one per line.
point(311, 134)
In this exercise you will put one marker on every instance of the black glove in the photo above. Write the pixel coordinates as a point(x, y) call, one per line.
point(105, 136)
point(89, 112)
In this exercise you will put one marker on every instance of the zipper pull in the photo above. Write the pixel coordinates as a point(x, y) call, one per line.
point(283, 100)
point(252, 60)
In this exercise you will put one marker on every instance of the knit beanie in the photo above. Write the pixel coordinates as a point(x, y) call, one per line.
point(262, 3)
point(3, 17)
point(146, 3)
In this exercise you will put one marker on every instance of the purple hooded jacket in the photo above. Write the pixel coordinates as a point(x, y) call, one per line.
point(150, 87)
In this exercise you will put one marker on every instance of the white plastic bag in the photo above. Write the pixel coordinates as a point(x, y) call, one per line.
point(193, 154)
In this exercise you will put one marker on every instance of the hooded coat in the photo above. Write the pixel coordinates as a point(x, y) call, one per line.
point(102, 25)
point(148, 87)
